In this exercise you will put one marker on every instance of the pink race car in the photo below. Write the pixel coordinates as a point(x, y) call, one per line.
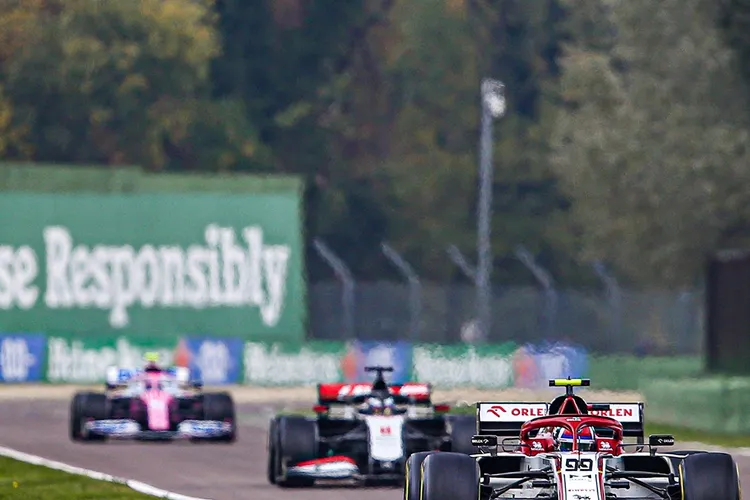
point(152, 404)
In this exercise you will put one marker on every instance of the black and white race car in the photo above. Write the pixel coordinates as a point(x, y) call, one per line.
point(363, 432)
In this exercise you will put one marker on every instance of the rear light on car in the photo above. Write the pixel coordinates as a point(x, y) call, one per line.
point(320, 408)
point(442, 408)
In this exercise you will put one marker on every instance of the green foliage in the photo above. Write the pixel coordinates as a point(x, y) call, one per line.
point(624, 138)
point(124, 82)
point(734, 22)
point(652, 148)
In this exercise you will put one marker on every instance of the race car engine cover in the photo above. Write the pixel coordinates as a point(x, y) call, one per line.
point(386, 437)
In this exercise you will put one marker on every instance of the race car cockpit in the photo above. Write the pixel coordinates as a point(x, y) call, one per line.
point(572, 404)
point(380, 401)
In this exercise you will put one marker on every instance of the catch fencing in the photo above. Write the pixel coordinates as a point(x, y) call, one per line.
point(634, 322)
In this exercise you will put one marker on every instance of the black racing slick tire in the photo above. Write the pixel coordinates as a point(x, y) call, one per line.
point(462, 428)
point(273, 440)
point(709, 476)
point(298, 442)
point(449, 476)
point(86, 406)
point(219, 406)
point(676, 461)
point(413, 474)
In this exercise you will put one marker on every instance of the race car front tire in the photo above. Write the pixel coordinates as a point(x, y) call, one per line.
point(449, 476)
point(709, 476)
point(413, 474)
point(298, 442)
point(219, 406)
point(676, 461)
point(273, 440)
point(86, 406)
point(462, 428)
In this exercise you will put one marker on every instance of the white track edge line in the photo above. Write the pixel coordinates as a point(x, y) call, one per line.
point(138, 486)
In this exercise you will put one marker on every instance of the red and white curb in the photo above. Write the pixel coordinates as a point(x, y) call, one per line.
point(138, 486)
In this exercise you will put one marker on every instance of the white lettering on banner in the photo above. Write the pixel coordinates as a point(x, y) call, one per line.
point(552, 365)
point(264, 365)
point(222, 273)
point(470, 369)
point(18, 268)
point(15, 359)
point(214, 362)
point(73, 362)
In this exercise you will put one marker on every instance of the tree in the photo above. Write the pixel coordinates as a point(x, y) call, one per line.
point(124, 82)
point(651, 143)
point(18, 20)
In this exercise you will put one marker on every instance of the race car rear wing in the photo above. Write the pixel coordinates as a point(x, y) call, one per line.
point(506, 418)
point(340, 393)
point(120, 377)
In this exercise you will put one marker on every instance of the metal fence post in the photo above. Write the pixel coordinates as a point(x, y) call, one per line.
point(545, 279)
point(614, 295)
point(345, 276)
point(415, 287)
point(684, 323)
point(471, 332)
point(460, 261)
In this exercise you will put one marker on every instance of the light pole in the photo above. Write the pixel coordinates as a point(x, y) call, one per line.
point(493, 107)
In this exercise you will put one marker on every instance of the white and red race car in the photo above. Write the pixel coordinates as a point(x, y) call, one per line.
point(569, 450)
point(363, 432)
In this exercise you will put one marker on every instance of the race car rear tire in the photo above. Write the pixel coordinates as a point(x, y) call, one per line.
point(86, 406)
point(709, 476)
point(413, 474)
point(463, 427)
point(220, 406)
point(298, 442)
point(449, 476)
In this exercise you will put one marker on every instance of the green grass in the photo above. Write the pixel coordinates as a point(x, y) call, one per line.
point(682, 435)
point(22, 481)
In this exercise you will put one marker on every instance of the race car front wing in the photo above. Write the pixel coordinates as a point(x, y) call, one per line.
point(343, 467)
point(130, 429)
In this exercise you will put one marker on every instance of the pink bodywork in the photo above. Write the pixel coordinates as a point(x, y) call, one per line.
point(157, 401)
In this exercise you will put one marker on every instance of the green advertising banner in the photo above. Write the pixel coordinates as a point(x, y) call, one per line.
point(153, 264)
point(462, 365)
point(72, 360)
point(293, 364)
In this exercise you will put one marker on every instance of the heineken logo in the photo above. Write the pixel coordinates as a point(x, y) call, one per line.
point(229, 269)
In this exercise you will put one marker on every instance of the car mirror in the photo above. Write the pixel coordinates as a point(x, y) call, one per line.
point(484, 441)
point(661, 440)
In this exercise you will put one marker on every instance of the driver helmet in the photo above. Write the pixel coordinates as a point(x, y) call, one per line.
point(152, 362)
point(375, 406)
point(388, 406)
point(586, 439)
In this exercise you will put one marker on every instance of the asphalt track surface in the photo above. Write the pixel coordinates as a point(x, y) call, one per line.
point(212, 471)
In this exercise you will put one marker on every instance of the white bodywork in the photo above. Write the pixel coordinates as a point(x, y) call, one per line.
point(574, 480)
point(386, 437)
point(578, 476)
